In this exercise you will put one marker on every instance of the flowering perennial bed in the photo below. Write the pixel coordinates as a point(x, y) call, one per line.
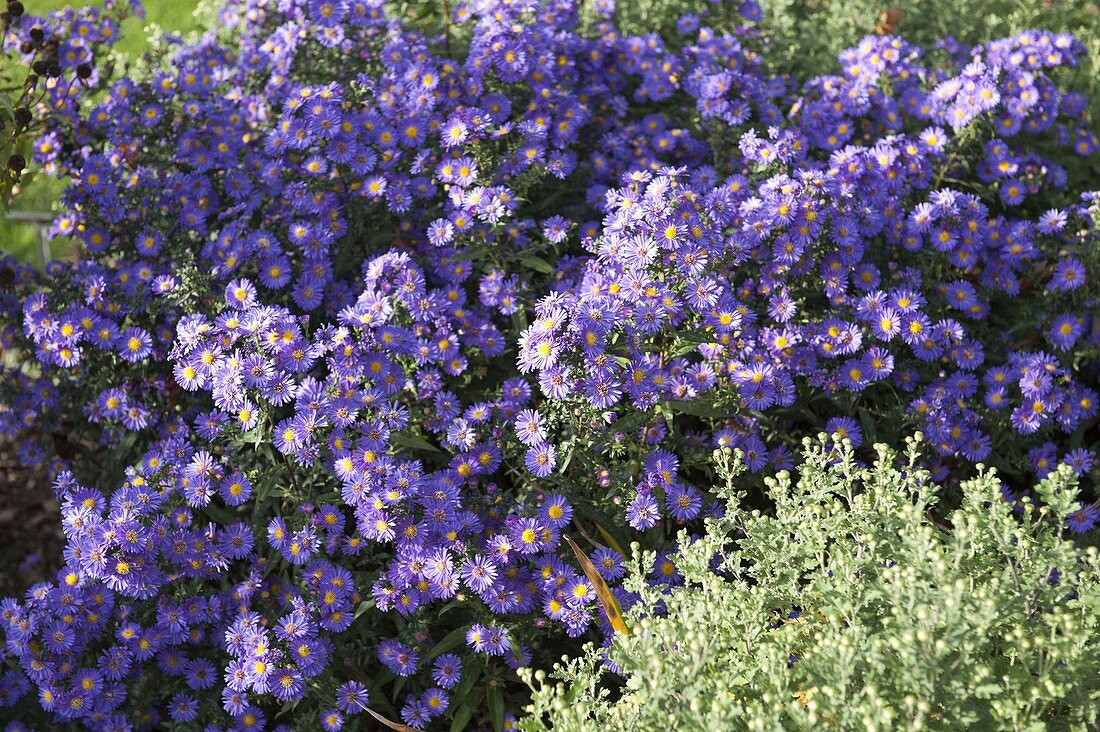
point(375, 309)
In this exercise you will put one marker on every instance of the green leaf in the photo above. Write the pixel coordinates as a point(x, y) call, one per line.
point(685, 348)
point(469, 679)
point(450, 641)
point(537, 263)
point(453, 604)
point(463, 715)
point(696, 407)
point(494, 699)
point(870, 434)
point(413, 442)
point(519, 320)
point(254, 436)
point(397, 687)
point(697, 337)
point(568, 458)
point(7, 105)
point(222, 515)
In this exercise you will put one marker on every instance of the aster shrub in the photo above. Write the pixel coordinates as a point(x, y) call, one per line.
point(376, 306)
point(852, 607)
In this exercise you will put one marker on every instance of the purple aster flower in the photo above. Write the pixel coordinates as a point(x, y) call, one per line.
point(277, 534)
point(609, 563)
point(555, 229)
point(441, 232)
point(352, 697)
point(1043, 458)
point(603, 391)
point(1052, 221)
point(240, 294)
point(447, 670)
point(750, 10)
point(435, 702)
point(878, 363)
point(516, 391)
point(332, 720)
point(234, 702)
point(756, 454)
point(496, 641)
point(541, 460)
point(555, 383)
point(235, 489)
point(643, 512)
point(398, 657)
point(236, 540)
point(976, 446)
point(163, 284)
point(460, 434)
point(683, 502)
point(414, 713)
point(289, 436)
point(190, 376)
point(1080, 459)
point(183, 708)
point(134, 344)
point(934, 138)
point(288, 684)
point(1065, 330)
point(665, 570)
point(1069, 274)
point(529, 427)
point(1083, 519)
point(454, 133)
point(199, 674)
point(301, 546)
point(537, 352)
point(477, 637)
point(1013, 192)
point(556, 511)
point(246, 414)
point(527, 536)
point(479, 573)
point(961, 295)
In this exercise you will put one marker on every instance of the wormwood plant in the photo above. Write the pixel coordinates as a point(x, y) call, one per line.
point(852, 607)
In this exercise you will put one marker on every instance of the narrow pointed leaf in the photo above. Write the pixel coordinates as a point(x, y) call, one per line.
point(452, 640)
point(610, 605)
point(392, 725)
point(538, 264)
point(611, 540)
point(495, 701)
point(462, 717)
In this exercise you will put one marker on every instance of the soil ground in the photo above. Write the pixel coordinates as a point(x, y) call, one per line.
point(30, 521)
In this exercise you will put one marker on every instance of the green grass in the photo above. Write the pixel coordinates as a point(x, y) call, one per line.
point(808, 34)
point(42, 192)
point(171, 15)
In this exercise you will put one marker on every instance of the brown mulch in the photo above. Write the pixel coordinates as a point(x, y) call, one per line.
point(30, 526)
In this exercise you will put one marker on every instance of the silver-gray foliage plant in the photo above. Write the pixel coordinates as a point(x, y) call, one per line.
point(989, 621)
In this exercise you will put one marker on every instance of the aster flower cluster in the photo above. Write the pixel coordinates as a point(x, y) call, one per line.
point(644, 287)
point(366, 324)
point(29, 402)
